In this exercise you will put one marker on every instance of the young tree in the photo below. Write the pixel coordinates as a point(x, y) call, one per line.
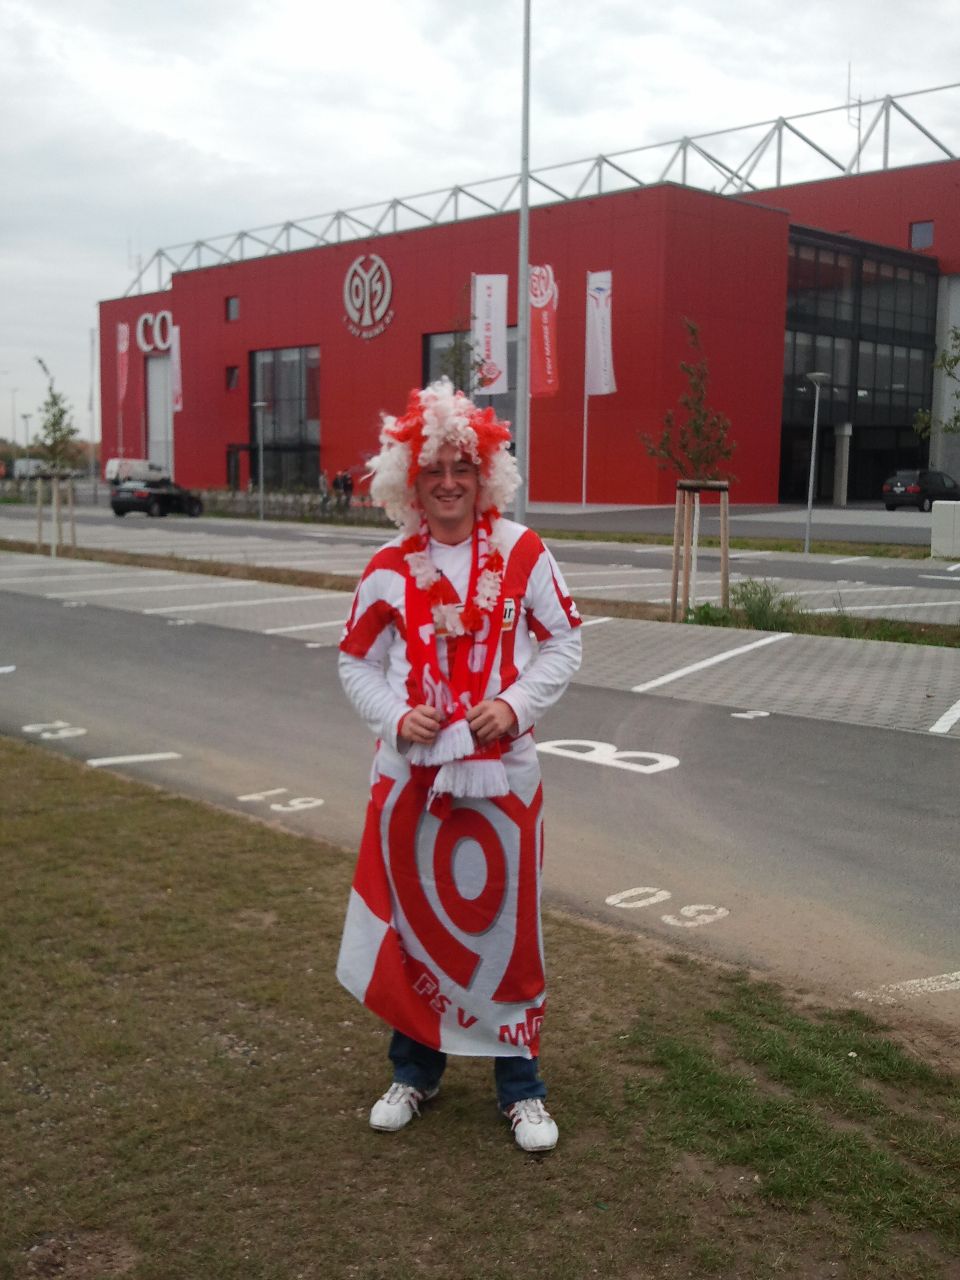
point(694, 442)
point(458, 362)
point(57, 435)
point(948, 362)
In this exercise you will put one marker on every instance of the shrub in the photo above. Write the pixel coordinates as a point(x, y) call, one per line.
point(711, 615)
point(765, 607)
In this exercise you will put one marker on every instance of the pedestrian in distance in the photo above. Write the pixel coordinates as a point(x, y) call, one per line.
point(443, 937)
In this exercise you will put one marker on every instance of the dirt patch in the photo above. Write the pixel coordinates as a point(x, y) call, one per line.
point(251, 919)
point(91, 1255)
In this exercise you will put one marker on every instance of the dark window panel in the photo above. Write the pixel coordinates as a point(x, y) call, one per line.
point(921, 235)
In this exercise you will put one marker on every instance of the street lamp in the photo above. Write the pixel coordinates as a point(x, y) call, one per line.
point(259, 406)
point(521, 424)
point(818, 379)
point(25, 418)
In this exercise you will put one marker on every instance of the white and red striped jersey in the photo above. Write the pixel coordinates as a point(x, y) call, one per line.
point(539, 648)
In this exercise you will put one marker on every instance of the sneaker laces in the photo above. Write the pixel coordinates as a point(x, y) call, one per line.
point(530, 1110)
point(398, 1093)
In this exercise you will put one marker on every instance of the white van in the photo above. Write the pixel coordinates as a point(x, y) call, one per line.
point(120, 469)
point(27, 468)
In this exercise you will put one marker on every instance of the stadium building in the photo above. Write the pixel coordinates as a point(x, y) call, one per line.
point(307, 331)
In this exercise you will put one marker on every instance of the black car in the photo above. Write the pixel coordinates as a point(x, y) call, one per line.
point(919, 489)
point(154, 498)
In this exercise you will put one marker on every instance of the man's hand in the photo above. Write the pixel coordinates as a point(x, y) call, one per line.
point(422, 725)
point(490, 720)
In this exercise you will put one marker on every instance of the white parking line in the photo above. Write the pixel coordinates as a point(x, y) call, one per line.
point(100, 761)
point(848, 559)
point(79, 577)
point(860, 608)
point(636, 586)
point(304, 626)
point(936, 577)
point(709, 662)
point(6, 671)
point(947, 720)
point(916, 987)
point(836, 589)
point(246, 604)
point(593, 622)
point(592, 573)
point(154, 587)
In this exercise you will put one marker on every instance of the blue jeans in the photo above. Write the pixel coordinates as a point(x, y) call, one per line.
point(416, 1064)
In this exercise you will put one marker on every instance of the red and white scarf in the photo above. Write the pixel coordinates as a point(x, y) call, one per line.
point(472, 632)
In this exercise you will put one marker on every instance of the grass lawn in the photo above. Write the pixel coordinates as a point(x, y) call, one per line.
point(184, 1088)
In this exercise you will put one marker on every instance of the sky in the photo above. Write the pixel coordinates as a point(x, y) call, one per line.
point(126, 126)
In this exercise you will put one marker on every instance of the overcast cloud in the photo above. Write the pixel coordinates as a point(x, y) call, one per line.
point(128, 126)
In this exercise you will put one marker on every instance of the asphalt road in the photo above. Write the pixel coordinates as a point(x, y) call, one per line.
point(758, 823)
point(919, 590)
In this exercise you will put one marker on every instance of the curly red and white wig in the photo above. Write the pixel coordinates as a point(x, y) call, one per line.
point(436, 416)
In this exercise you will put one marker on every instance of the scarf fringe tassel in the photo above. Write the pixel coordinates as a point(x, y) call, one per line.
point(472, 779)
point(451, 743)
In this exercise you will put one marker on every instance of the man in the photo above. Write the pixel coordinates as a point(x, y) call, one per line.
point(442, 938)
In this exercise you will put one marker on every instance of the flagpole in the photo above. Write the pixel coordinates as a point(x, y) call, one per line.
point(586, 398)
point(521, 426)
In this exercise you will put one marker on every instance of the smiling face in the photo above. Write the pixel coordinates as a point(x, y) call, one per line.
point(447, 493)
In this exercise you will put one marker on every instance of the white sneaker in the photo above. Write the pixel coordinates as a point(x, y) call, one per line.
point(398, 1106)
point(533, 1127)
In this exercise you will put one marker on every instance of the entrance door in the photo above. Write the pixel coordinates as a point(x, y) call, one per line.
point(160, 413)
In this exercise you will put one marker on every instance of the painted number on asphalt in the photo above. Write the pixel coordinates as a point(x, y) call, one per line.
point(609, 754)
point(294, 805)
point(687, 918)
point(55, 729)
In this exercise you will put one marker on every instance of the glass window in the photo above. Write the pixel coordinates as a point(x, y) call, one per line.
point(285, 383)
point(804, 358)
point(899, 381)
point(803, 285)
point(921, 235)
point(845, 287)
point(231, 308)
point(887, 296)
point(841, 362)
point(869, 292)
point(450, 354)
point(866, 371)
point(789, 344)
point(823, 355)
point(826, 298)
point(920, 362)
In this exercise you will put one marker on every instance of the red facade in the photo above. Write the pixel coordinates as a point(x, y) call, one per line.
point(881, 207)
point(674, 252)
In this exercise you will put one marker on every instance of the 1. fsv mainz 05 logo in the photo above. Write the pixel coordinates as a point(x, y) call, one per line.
point(543, 287)
point(367, 290)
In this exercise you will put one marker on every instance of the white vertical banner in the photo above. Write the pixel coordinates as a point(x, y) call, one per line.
point(123, 369)
point(598, 361)
point(176, 370)
point(598, 377)
point(123, 361)
point(489, 334)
